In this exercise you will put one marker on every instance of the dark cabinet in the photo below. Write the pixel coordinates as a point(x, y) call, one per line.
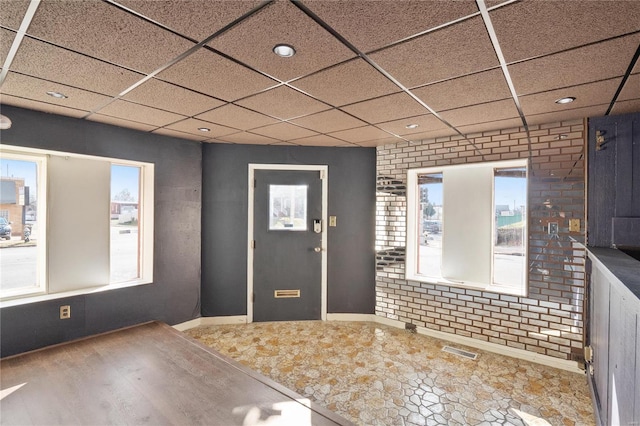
point(614, 181)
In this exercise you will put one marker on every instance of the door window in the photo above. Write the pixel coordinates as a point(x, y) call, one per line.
point(287, 207)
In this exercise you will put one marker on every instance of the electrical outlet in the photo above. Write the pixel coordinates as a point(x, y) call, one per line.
point(574, 225)
point(65, 312)
point(553, 228)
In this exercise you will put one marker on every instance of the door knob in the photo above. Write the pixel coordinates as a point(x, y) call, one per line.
point(317, 249)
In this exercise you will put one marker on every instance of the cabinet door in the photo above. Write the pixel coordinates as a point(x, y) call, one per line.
point(622, 357)
point(600, 340)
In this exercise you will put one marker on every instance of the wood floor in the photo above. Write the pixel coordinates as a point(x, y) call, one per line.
point(148, 374)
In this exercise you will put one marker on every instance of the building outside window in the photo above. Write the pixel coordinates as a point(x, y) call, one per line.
point(467, 226)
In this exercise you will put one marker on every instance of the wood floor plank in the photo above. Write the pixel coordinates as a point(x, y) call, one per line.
point(149, 374)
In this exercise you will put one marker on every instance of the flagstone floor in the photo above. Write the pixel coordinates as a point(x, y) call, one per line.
point(378, 375)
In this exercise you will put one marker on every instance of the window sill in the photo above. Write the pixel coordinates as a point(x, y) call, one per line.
point(492, 288)
point(27, 299)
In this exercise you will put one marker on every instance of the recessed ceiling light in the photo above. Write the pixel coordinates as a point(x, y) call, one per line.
point(566, 100)
point(411, 126)
point(284, 50)
point(5, 122)
point(204, 129)
point(57, 95)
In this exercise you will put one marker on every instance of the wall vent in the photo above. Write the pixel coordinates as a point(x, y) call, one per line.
point(282, 294)
point(460, 352)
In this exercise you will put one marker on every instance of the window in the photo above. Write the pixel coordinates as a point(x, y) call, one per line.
point(125, 225)
point(98, 214)
point(287, 207)
point(467, 226)
point(23, 201)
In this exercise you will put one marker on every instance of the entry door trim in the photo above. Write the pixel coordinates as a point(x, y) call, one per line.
point(324, 174)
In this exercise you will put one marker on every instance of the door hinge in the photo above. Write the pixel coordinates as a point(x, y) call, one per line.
point(588, 353)
point(253, 244)
point(253, 298)
point(255, 183)
point(321, 174)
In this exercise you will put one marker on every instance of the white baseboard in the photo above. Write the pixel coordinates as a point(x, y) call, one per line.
point(537, 358)
point(237, 319)
point(550, 361)
point(352, 317)
point(183, 326)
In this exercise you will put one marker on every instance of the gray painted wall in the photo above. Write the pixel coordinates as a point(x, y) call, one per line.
point(174, 296)
point(351, 255)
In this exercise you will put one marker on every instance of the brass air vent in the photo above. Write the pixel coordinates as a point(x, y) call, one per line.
point(281, 294)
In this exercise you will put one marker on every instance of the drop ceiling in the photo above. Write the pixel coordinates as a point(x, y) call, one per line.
point(362, 73)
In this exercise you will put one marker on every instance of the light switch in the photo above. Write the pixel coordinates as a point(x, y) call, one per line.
point(333, 221)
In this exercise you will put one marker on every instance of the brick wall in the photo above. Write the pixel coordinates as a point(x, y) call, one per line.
point(550, 319)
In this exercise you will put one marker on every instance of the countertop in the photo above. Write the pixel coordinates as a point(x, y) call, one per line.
point(624, 267)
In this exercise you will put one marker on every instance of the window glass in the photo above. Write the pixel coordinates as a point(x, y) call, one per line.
point(21, 263)
point(125, 223)
point(510, 207)
point(287, 207)
point(467, 226)
point(95, 234)
point(430, 213)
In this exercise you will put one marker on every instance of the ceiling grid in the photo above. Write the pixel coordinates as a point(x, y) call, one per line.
point(364, 73)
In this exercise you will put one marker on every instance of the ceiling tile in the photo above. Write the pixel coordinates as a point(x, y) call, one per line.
point(158, 94)
point(106, 32)
point(182, 135)
point(453, 51)
point(492, 111)
point(509, 123)
point(427, 122)
point(252, 42)
point(577, 66)
point(40, 106)
point(329, 121)
point(237, 117)
point(191, 125)
point(214, 75)
point(570, 114)
point(140, 113)
point(12, 12)
point(431, 134)
point(559, 24)
point(197, 19)
point(361, 134)
point(114, 121)
point(284, 131)
point(631, 89)
point(373, 24)
point(6, 40)
point(379, 142)
point(387, 108)
point(248, 138)
point(347, 83)
point(36, 89)
point(626, 107)
point(55, 64)
point(601, 92)
point(463, 91)
point(319, 140)
point(284, 103)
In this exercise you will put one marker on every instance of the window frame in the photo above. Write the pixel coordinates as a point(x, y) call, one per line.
point(413, 221)
point(146, 230)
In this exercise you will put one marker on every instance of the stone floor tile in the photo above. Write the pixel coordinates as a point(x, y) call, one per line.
point(378, 375)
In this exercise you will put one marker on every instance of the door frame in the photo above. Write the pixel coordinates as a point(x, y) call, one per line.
point(324, 176)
